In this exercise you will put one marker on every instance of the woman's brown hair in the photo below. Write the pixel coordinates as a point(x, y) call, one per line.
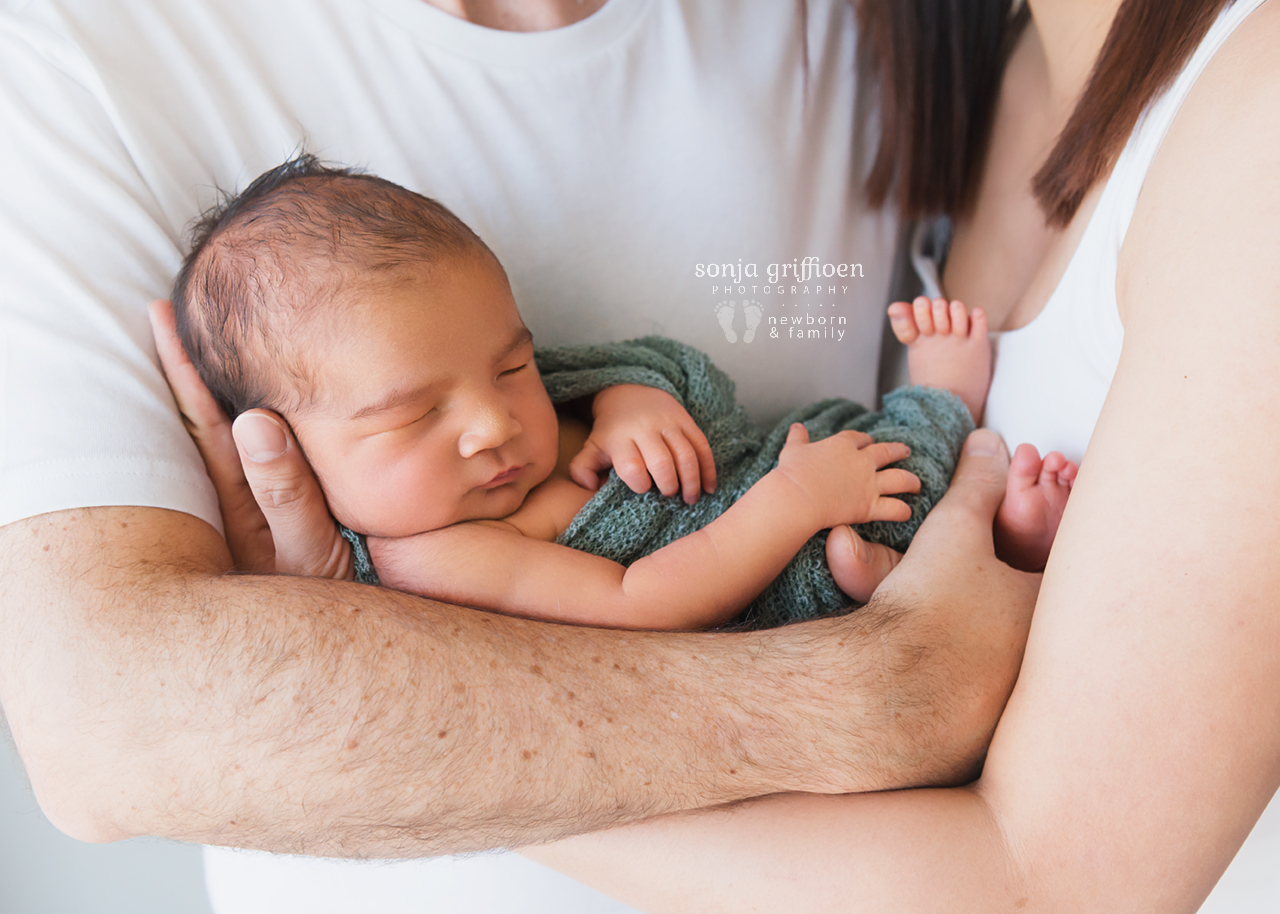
point(938, 63)
point(1149, 43)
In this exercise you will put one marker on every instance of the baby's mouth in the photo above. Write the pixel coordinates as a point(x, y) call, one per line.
point(509, 475)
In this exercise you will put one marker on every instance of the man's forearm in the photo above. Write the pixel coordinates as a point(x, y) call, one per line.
point(152, 694)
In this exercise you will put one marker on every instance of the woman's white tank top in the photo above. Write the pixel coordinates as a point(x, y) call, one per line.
point(1051, 376)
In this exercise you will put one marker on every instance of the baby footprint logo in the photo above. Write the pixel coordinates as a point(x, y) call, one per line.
point(751, 310)
point(725, 312)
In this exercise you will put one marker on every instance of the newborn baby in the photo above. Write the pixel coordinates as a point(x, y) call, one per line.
point(384, 331)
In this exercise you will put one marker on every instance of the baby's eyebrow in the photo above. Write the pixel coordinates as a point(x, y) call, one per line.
point(522, 338)
point(394, 398)
point(402, 395)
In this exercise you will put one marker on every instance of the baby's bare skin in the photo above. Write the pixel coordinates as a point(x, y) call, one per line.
point(948, 347)
point(431, 432)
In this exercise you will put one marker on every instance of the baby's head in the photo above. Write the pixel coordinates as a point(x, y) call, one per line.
point(383, 330)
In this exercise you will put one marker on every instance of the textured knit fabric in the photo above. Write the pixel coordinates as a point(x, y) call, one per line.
point(624, 526)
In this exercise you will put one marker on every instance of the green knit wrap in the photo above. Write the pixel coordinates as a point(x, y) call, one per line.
point(620, 525)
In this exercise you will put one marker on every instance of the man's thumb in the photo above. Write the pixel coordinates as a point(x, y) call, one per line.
point(306, 540)
point(981, 475)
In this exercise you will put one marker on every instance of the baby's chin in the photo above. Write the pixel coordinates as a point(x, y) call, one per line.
point(479, 504)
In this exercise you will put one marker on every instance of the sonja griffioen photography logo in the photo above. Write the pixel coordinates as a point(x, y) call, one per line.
point(803, 298)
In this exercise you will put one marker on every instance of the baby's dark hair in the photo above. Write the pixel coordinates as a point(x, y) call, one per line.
point(292, 241)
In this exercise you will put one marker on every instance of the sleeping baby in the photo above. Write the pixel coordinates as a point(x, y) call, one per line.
point(617, 485)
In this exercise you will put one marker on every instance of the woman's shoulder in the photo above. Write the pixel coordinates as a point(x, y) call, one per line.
point(1235, 104)
point(1211, 202)
point(1244, 75)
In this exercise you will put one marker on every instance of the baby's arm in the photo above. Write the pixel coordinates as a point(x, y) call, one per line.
point(701, 580)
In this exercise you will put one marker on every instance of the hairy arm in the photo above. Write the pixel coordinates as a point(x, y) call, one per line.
point(700, 580)
point(150, 692)
point(1143, 738)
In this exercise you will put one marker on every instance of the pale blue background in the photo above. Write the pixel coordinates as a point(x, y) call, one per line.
point(42, 871)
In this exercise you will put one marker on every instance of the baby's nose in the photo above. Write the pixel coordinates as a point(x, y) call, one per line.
point(492, 426)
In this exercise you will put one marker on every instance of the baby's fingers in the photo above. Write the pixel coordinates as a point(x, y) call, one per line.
point(706, 460)
point(688, 465)
point(890, 509)
point(629, 463)
point(896, 482)
point(886, 452)
point(661, 464)
point(586, 467)
point(797, 434)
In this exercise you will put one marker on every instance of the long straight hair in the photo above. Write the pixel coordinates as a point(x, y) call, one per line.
point(1149, 43)
point(937, 65)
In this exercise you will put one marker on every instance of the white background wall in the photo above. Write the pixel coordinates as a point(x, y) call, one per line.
point(42, 871)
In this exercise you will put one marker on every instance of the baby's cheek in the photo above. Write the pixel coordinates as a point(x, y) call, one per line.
point(360, 496)
point(353, 508)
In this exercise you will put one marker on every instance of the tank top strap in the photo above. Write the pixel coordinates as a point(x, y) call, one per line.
point(1135, 161)
point(1052, 375)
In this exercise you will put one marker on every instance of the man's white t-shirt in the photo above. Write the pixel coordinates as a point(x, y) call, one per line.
point(660, 167)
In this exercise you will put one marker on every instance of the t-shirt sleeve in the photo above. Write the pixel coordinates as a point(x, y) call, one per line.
point(86, 418)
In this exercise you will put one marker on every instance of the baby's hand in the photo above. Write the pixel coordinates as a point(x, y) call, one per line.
point(843, 479)
point(643, 432)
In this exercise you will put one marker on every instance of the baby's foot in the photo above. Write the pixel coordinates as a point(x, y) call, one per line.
point(1034, 499)
point(946, 347)
point(751, 310)
point(724, 314)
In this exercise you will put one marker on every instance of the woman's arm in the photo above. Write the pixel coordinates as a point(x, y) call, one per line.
point(1143, 738)
point(700, 580)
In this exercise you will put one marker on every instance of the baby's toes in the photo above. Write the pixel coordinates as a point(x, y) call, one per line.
point(922, 309)
point(1058, 470)
point(959, 319)
point(978, 324)
point(941, 316)
point(903, 323)
point(1054, 461)
point(1025, 466)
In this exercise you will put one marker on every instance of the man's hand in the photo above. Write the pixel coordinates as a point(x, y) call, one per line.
point(273, 510)
point(316, 716)
point(951, 582)
point(642, 432)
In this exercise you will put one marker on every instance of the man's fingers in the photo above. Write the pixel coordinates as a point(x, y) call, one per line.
point(978, 485)
point(960, 524)
point(306, 539)
point(194, 400)
point(246, 530)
